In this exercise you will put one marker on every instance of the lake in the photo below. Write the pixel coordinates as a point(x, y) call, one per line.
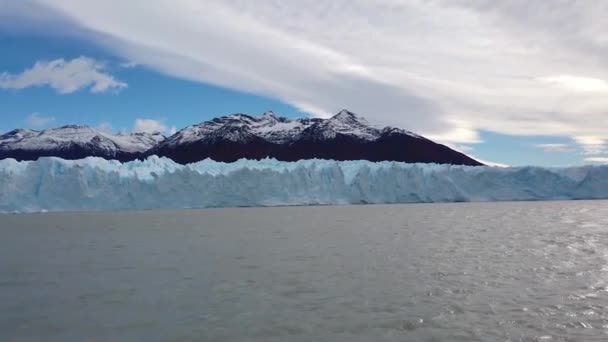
point(524, 271)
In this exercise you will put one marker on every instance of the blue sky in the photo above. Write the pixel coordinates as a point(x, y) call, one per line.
point(493, 80)
point(149, 95)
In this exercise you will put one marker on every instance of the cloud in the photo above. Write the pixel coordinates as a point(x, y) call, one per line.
point(105, 127)
point(460, 134)
point(152, 126)
point(446, 69)
point(577, 84)
point(555, 148)
point(462, 148)
point(64, 76)
point(591, 145)
point(37, 121)
point(598, 160)
point(489, 163)
point(128, 65)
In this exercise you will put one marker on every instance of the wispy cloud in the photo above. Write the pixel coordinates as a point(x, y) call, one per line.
point(38, 121)
point(106, 127)
point(448, 69)
point(555, 148)
point(577, 84)
point(128, 65)
point(64, 76)
point(152, 126)
point(598, 160)
point(591, 145)
point(490, 163)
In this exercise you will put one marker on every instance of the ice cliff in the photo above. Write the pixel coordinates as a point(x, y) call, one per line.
point(53, 184)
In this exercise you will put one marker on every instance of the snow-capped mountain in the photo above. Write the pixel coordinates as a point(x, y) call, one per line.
point(279, 130)
point(75, 142)
point(345, 136)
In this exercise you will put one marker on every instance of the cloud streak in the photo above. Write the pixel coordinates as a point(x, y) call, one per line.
point(152, 126)
point(592, 145)
point(597, 160)
point(447, 69)
point(577, 84)
point(63, 76)
point(37, 121)
point(555, 148)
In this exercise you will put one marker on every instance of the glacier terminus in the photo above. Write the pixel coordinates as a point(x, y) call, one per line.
point(93, 184)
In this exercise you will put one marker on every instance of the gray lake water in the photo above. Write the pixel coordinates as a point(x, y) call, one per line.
point(418, 272)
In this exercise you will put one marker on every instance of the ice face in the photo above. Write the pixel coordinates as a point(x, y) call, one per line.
point(53, 184)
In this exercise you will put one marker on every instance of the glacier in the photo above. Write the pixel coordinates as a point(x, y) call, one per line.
point(92, 184)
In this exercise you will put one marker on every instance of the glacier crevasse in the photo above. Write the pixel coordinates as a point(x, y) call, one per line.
point(53, 184)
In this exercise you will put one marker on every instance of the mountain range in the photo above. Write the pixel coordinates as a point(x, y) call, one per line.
point(344, 136)
point(75, 142)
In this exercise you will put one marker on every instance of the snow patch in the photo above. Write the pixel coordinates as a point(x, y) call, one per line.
point(63, 137)
point(280, 130)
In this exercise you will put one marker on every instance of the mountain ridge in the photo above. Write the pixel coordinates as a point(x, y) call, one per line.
point(75, 142)
point(344, 136)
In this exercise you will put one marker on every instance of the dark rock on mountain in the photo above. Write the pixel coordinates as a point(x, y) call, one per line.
point(344, 136)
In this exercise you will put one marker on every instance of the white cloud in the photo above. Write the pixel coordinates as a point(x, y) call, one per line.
point(591, 145)
point(598, 160)
point(151, 126)
point(489, 163)
point(460, 134)
point(64, 76)
point(128, 65)
point(555, 148)
point(446, 69)
point(577, 84)
point(462, 148)
point(105, 127)
point(37, 121)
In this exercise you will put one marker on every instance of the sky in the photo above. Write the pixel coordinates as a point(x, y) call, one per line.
point(513, 82)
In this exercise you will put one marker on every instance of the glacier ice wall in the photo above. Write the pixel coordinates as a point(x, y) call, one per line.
point(52, 184)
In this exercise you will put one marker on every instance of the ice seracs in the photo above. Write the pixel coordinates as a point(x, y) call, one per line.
point(53, 184)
